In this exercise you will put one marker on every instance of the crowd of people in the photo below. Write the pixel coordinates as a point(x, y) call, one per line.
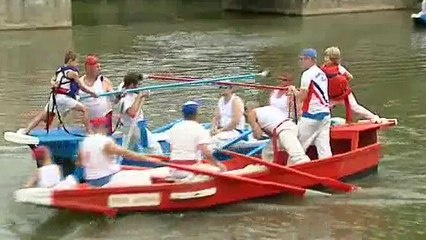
point(297, 117)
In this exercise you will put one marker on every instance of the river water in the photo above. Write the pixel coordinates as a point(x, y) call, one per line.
point(384, 52)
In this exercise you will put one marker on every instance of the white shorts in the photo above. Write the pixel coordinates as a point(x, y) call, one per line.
point(64, 103)
point(313, 132)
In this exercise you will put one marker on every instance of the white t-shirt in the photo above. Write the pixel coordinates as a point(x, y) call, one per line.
point(185, 137)
point(315, 74)
point(280, 102)
point(48, 176)
point(270, 117)
point(125, 103)
point(95, 162)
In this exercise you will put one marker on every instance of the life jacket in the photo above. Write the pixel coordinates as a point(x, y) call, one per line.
point(338, 85)
point(338, 88)
point(66, 85)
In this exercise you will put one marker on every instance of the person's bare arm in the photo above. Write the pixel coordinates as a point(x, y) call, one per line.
point(237, 114)
point(215, 122)
point(107, 84)
point(209, 156)
point(74, 75)
point(32, 181)
point(252, 120)
point(137, 104)
point(114, 149)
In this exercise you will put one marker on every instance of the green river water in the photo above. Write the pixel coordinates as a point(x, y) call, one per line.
point(386, 54)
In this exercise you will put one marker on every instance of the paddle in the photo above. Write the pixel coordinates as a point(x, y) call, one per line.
point(175, 85)
point(327, 182)
point(182, 79)
point(298, 191)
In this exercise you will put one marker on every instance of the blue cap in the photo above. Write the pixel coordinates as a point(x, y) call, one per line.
point(189, 108)
point(309, 52)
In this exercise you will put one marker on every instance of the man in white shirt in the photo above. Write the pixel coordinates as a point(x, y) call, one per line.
point(189, 139)
point(131, 110)
point(314, 125)
point(271, 120)
point(98, 156)
point(229, 121)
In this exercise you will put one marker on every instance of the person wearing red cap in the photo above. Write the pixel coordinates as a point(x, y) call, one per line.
point(95, 81)
point(66, 84)
point(98, 156)
point(48, 174)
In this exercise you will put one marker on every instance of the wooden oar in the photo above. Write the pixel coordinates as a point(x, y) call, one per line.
point(247, 85)
point(327, 182)
point(298, 191)
point(177, 85)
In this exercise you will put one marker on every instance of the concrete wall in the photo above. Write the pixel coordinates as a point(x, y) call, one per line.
point(32, 14)
point(314, 7)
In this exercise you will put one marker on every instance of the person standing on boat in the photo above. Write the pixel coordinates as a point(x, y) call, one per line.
point(98, 157)
point(228, 121)
point(95, 81)
point(130, 106)
point(314, 125)
point(66, 84)
point(270, 119)
point(339, 90)
point(283, 99)
point(189, 139)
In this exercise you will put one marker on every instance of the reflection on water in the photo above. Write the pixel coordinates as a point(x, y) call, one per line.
point(382, 50)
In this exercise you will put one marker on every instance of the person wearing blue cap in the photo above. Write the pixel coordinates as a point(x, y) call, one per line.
point(189, 139)
point(314, 125)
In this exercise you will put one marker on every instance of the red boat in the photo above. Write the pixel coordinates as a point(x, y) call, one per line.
point(355, 150)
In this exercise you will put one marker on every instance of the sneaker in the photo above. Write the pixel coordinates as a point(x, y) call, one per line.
point(22, 131)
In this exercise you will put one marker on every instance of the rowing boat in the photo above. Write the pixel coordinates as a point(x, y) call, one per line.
point(355, 150)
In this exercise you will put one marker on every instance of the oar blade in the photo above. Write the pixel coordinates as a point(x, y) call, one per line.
point(20, 138)
point(314, 193)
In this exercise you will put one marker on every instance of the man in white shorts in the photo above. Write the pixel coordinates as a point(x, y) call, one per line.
point(66, 84)
point(314, 125)
point(270, 120)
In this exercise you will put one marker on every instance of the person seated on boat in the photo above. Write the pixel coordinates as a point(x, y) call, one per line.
point(98, 156)
point(48, 174)
point(189, 140)
point(339, 90)
point(270, 120)
point(282, 99)
point(96, 82)
point(229, 121)
point(314, 125)
point(130, 106)
point(66, 84)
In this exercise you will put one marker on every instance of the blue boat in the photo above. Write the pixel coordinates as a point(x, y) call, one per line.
point(64, 145)
point(419, 19)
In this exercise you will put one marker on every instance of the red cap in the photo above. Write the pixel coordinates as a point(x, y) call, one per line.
point(40, 153)
point(99, 122)
point(91, 60)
